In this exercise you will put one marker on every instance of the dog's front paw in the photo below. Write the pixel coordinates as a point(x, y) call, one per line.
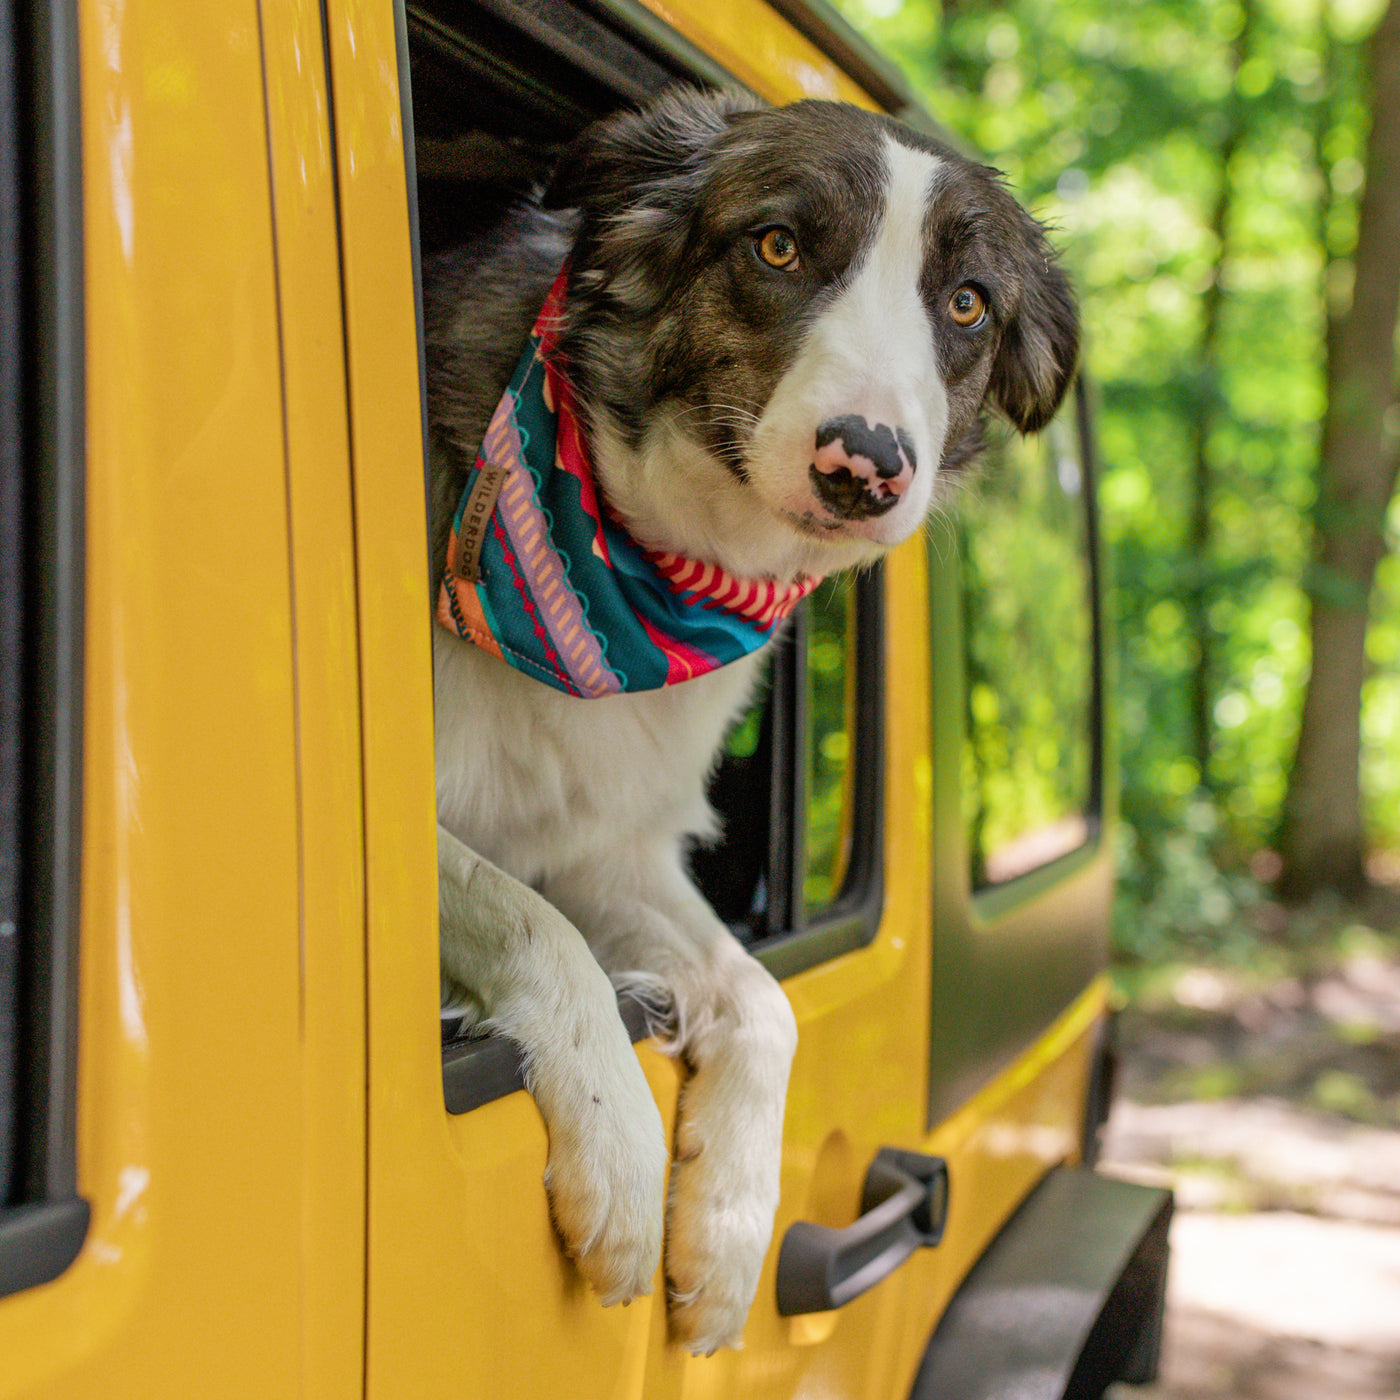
point(606, 1182)
point(717, 1235)
point(729, 1147)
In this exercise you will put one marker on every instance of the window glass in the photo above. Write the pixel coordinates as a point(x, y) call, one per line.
point(830, 684)
point(1028, 627)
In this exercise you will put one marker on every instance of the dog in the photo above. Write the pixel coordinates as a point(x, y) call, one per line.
point(774, 332)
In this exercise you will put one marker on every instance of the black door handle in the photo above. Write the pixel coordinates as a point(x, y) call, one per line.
point(903, 1207)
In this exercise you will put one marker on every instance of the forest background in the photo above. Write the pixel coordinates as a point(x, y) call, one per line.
point(1203, 167)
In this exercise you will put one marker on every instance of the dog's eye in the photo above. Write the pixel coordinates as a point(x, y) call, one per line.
point(778, 248)
point(967, 306)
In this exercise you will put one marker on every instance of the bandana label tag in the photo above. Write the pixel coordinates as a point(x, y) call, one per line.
point(476, 513)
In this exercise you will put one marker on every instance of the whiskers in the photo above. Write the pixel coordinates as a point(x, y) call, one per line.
point(728, 415)
point(940, 528)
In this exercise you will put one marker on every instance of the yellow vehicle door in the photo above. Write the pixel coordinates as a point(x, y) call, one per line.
point(183, 1209)
point(831, 781)
point(468, 1289)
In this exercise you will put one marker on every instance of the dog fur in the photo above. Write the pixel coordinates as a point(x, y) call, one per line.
point(705, 374)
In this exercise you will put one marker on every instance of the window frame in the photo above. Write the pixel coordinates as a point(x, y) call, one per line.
point(794, 940)
point(44, 1221)
point(1009, 958)
point(619, 48)
point(994, 897)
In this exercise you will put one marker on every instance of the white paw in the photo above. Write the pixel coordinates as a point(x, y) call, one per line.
point(606, 1180)
point(729, 1147)
point(718, 1230)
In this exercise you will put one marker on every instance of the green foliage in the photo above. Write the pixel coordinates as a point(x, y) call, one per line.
point(830, 680)
point(1027, 778)
point(1177, 901)
point(1110, 118)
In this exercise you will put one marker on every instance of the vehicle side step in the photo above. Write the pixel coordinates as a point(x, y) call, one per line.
point(1066, 1300)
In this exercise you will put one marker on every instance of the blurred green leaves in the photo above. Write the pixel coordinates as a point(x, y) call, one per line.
point(1109, 120)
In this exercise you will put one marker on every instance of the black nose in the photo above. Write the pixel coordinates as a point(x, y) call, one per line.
point(845, 494)
point(859, 470)
point(889, 449)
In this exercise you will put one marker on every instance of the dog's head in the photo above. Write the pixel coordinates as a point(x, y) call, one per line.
point(805, 307)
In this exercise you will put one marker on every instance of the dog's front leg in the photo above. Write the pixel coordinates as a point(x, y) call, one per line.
point(534, 980)
point(731, 1023)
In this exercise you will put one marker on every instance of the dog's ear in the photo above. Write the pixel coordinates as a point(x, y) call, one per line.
point(652, 157)
point(1040, 345)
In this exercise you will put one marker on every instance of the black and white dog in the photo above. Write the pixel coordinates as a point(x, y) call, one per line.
point(781, 328)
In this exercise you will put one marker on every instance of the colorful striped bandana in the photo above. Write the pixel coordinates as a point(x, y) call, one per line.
point(540, 574)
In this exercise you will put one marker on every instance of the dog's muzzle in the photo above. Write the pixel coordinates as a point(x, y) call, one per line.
point(860, 469)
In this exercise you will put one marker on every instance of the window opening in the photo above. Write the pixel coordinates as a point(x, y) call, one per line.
point(806, 765)
point(498, 87)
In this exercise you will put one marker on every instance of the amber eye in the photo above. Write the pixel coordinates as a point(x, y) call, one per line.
point(778, 248)
point(967, 306)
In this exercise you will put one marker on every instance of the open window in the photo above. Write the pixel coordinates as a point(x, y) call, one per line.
point(498, 87)
point(799, 788)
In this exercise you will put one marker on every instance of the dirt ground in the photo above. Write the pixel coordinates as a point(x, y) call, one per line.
point(1274, 1110)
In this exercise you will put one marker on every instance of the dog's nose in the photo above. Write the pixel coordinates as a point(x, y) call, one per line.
point(858, 468)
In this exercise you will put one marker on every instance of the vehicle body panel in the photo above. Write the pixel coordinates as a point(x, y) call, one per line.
point(184, 433)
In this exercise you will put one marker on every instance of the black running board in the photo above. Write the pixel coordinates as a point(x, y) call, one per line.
point(1066, 1300)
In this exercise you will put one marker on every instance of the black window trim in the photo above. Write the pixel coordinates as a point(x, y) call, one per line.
point(44, 1224)
point(798, 940)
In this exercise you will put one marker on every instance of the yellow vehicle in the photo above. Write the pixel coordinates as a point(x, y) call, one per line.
point(241, 1154)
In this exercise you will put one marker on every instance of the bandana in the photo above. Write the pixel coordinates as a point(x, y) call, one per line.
point(540, 574)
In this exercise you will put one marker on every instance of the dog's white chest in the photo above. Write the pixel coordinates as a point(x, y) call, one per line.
point(538, 781)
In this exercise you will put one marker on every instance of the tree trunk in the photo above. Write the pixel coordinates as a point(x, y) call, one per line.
point(1322, 838)
point(1209, 396)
